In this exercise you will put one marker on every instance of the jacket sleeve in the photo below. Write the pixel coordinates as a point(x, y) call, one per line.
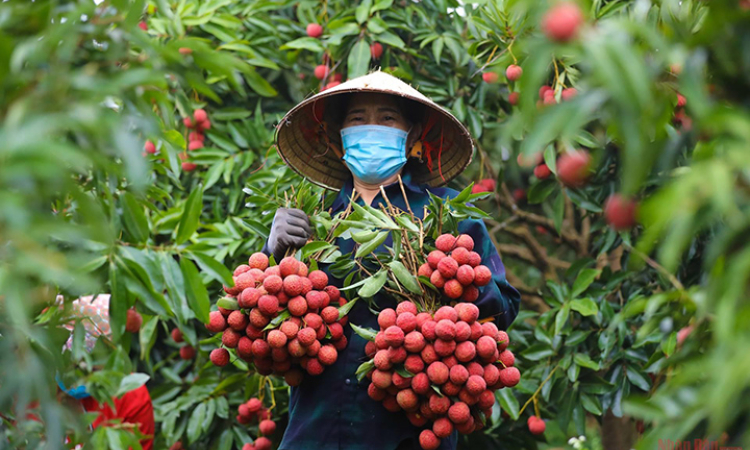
point(498, 299)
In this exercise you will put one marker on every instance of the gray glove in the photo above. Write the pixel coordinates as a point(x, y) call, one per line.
point(290, 229)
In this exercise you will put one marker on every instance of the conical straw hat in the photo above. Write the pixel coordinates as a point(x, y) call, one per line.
point(308, 137)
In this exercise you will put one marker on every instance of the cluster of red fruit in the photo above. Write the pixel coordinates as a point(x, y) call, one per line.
point(484, 185)
point(310, 335)
point(441, 369)
point(252, 411)
point(199, 124)
point(680, 116)
point(186, 351)
point(455, 268)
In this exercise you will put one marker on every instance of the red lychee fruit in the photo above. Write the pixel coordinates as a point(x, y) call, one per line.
point(249, 297)
point(482, 275)
point(195, 145)
point(549, 98)
point(404, 307)
point(424, 270)
point(573, 168)
point(465, 351)
point(420, 383)
point(276, 339)
point(439, 405)
point(376, 50)
point(569, 93)
point(486, 399)
point(133, 321)
point(683, 334)
point(200, 115)
point(562, 21)
point(314, 298)
point(245, 348)
point(394, 336)
point(261, 348)
point(381, 360)
point(188, 166)
point(397, 355)
point(216, 322)
point(446, 312)
point(445, 329)
point(490, 329)
point(459, 412)
point(468, 313)
point(220, 357)
point(513, 72)
point(296, 350)
point(177, 335)
point(475, 385)
point(314, 367)
point(243, 281)
point(289, 329)
point(386, 318)
point(461, 255)
point(486, 347)
point(437, 280)
point(375, 392)
point(465, 241)
point(307, 336)
point(262, 443)
point(297, 306)
point(292, 285)
point(149, 148)
point(428, 329)
point(337, 331)
point(257, 319)
point(491, 374)
point(620, 212)
point(329, 314)
point(476, 331)
point(267, 427)
point(406, 321)
point(230, 338)
point(414, 364)
point(258, 260)
point(428, 354)
point(442, 427)
point(407, 400)
point(447, 267)
point(380, 340)
point(288, 266)
point(370, 349)
point(242, 268)
point(536, 425)
point(519, 195)
point(479, 188)
point(314, 30)
point(450, 361)
point(321, 71)
point(464, 275)
point(490, 77)
point(416, 419)
point(513, 98)
point(328, 355)
point(445, 243)
point(458, 374)
point(143, 26)
point(272, 284)
point(434, 258)
point(542, 171)
point(268, 305)
point(293, 377)
point(428, 440)
point(510, 376)
point(333, 293)
point(414, 342)
point(438, 372)
point(196, 136)
point(465, 396)
point(237, 320)
point(382, 379)
point(681, 101)
point(444, 348)
point(463, 331)
point(187, 352)
point(319, 279)
point(313, 320)
point(507, 358)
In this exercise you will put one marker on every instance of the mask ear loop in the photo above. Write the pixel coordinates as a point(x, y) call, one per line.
point(323, 129)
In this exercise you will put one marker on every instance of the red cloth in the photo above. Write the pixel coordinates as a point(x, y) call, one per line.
point(134, 407)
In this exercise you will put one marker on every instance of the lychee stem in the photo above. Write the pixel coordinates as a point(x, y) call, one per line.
point(533, 397)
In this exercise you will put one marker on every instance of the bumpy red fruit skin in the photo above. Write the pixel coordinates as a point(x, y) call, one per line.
point(491, 374)
point(133, 321)
point(569, 93)
point(562, 21)
point(276, 339)
point(272, 284)
point(447, 267)
point(406, 321)
point(292, 285)
point(475, 385)
point(220, 357)
point(486, 347)
point(446, 312)
point(513, 72)
point(404, 307)
point(459, 374)
point(428, 354)
point(187, 352)
point(297, 306)
point(306, 336)
point(620, 212)
point(407, 400)
point(438, 372)
point(267, 427)
point(314, 30)
point(329, 314)
point(510, 376)
point(376, 50)
point(237, 320)
point(381, 360)
point(262, 443)
point(337, 330)
point(536, 425)
point(465, 351)
point(507, 358)
point(434, 258)
point(459, 412)
point(230, 338)
point(428, 440)
point(437, 280)
point(445, 329)
point(386, 318)
point(428, 329)
point(394, 336)
point(468, 312)
point(573, 168)
point(195, 145)
point(414, 342)
point(442, 427)
point(414, 364)
point(445, 243)
point(268, 305)
point(465, 241)
point(328, 355)
point(177, 335)
point(420, 383)
point(513, 98)
point(439, 405)
point(150, 148)
point(314, 367)
point(444, 348)
point(288, 266)
point(397, 355)
point(542, 171)
point(482, 275)
point(475, 259)
point(465, 274)
point(381, 379)
point(461, 255)
point(375, 392)
point(216, 322)
point(453, 289)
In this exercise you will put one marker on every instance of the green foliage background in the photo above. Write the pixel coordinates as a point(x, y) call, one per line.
point(83, 211)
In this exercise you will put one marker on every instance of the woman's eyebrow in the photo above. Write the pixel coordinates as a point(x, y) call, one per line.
point(355, 111)
point(387, 109)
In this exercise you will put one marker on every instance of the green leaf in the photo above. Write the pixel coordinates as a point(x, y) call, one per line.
point(591, 404)
point(259, 84)
point(373, 284)
point(134, 217)
point(191, 214)
point(406, 222)
point(130, 382)
point(285, 314)
point(559, 211)
point(314, 247)
point(371, 245)
point(366, 333)
point(437, 48)
point(364, 369)
point(584, 279)
point(561, 318)
point(638, 378)
point(195, 424)
point(585, 361)
point(228, 303)
point(541, 190)
point(537, 351)
point(362, 12)
point(197, 295)
point(381, 5)
point(359, 59)
point(304, 43)
point(585, 306)
point(212, 268)
point(508, 402)
point(344, 310)
point(403, 276)
point(147, 336)
point(391, 39)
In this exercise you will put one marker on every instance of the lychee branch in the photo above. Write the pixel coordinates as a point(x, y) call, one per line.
point(533, 396)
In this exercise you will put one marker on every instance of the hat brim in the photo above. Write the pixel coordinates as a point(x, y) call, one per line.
point(309, 144)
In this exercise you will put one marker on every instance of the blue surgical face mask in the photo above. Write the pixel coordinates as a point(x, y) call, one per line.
point(78, 392)
point(374, 153)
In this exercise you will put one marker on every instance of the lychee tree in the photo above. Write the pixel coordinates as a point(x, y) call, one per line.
point(611, 137)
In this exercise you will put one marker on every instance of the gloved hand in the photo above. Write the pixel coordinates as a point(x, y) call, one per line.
point(290, 229)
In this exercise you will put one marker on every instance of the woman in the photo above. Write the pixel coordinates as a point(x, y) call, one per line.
point(355, 138)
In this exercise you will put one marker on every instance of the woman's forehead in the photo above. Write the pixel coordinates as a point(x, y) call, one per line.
point(371, 99)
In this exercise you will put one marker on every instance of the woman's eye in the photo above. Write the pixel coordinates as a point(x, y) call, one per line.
point(389, 118)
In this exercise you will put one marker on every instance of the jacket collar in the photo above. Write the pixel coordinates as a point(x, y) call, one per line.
point(345, 194)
